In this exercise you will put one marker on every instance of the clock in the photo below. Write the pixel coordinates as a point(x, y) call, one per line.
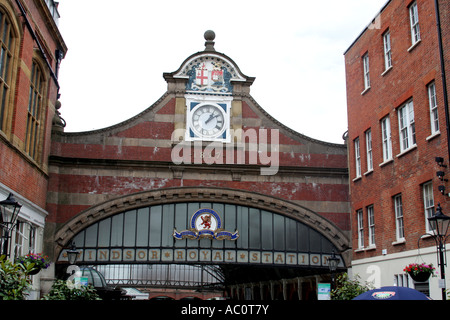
point(208, 121)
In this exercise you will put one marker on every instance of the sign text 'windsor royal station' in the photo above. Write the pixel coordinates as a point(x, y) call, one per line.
point(156, 255)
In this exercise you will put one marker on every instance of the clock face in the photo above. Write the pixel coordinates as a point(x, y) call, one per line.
point(208, 120)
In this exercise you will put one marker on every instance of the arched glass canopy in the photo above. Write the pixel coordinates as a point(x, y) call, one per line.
point(146, 236)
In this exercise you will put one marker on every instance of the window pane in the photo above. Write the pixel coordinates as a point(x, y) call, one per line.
point(117, 230)
point(181, 221)
point(192, 207)
point(279, 232)
point(399, 217)
point(6, 43)
point(407, 126)
point(129, 238)
point(266, 230)
point(142, 227)
point(230, 223)
point(167, 225)
point(254, 228)
point(428, 199)
point(243, 226)
point(327, 246)
point(4, 92)
point(3, 55)
point(434, 119)
point(104, 232)
point(7, 63)
point(6, 29)
point(34, 112)
point(360, 229)
point(303, 237)
point(387, 50)
point(357, 158)
point(220, 209)
point(291, 235)
point(314, 241)
point(369, 150)
point(229, 217)
point(366, 71)
point(386, 135)
point(371, 223)
point(414, 19)
point(155, 226)
point(91, 236)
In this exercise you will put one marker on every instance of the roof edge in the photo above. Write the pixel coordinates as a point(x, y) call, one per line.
point(367, 27)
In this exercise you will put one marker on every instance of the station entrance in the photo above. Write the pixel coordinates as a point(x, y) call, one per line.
point(209, 244)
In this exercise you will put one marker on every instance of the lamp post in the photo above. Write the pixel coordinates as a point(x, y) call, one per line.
point(72, 269)
point(10, 209)
point(439, 224)
point(333, 262)
point(72, 254)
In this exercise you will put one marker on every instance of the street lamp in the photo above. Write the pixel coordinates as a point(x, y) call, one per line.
point(72, 254)
point(439, 224)
point(333, 263)
point(9, 213)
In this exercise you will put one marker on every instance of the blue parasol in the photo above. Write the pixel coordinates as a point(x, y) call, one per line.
point(392, 293)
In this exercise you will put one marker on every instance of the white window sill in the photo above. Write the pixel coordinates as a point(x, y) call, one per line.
point(365, 90)
point(407, 151)
point(414, 45)
point(370, 247)
point(386, 71)
point(434, 135)
point(386, 162)
point(427, 234)
point(399, 241)
point(357, 178)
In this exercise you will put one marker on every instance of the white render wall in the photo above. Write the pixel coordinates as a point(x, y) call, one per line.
point(382, 270)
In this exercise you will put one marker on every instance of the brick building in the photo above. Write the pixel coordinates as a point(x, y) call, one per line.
point(124, 194)
point(397, 127)
point(31, 50)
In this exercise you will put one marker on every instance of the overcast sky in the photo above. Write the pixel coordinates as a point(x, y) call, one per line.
point(119, 50)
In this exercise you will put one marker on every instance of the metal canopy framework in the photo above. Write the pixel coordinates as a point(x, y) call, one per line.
point(168, 276)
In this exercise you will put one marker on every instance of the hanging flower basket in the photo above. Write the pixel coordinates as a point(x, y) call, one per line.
point(421, 276)
point(40, 262)
point(34, 271)
point(420, 272)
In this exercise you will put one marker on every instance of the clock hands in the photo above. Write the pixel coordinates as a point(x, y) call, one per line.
point(211, 117)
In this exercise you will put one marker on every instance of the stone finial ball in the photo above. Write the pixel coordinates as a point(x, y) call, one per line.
point(210, 35)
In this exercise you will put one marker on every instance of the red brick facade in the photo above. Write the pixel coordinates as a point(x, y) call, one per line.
point(32, 49)
point(408, 170)
point(35, 38)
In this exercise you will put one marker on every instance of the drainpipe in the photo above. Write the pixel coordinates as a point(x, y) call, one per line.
point(444, 79)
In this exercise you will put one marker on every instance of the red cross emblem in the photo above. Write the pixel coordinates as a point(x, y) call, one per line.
point(202, 76)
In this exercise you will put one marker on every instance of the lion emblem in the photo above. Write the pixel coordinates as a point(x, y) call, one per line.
point(206, 221)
